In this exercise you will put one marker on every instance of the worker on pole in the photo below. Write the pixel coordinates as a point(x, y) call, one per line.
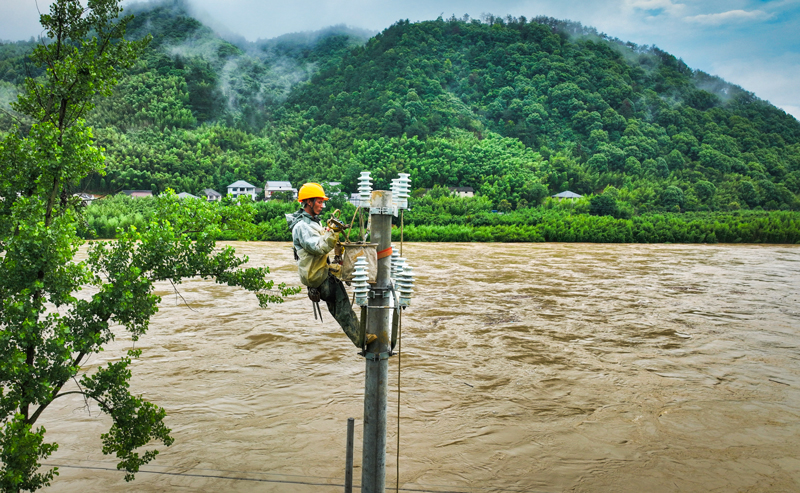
point(311, 242)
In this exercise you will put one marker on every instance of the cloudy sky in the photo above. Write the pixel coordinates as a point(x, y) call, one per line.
point(752, 43)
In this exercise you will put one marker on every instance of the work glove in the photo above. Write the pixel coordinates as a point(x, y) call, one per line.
point(336, 225)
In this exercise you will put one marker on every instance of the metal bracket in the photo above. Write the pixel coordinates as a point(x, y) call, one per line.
point(383, 211)
point(377, 356)
point(378, 293)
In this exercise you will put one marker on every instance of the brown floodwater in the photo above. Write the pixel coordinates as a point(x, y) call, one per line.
point(525, 367)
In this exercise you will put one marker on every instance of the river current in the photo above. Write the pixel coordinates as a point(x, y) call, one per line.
point(525, 367)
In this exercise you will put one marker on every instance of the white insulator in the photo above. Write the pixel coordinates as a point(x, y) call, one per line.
point(365, 188)
point(403, 190)
point(404, 185)
point(360, 278)
point(406, 285)
point(398, 270)
point(395, 192)
point(393, 262)
point(397, 266)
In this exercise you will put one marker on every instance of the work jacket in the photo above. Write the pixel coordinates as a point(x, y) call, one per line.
point(311, 242)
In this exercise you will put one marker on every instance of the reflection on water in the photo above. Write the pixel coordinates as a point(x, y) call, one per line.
point(526, 367)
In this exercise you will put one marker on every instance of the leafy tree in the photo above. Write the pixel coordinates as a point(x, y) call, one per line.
point(705, 190)
point(286, 196)
point(603, 205)
point(48, 328)
point(672, 197)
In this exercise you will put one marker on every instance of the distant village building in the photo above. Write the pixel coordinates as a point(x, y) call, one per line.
point(186, 195)
point(138, 193)
point(458, 191)
point(333, 189)
point(279, 186)
point(566, 195)
point(355, 199)
point(212, 195)
point(86, 198)
point(463, 191)
point(241, 187)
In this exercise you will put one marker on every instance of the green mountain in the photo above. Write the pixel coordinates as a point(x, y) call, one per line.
point(518, 109)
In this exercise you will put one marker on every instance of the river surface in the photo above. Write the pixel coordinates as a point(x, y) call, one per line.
point(525, 367)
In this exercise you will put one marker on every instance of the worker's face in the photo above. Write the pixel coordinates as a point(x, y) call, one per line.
point(317, 206)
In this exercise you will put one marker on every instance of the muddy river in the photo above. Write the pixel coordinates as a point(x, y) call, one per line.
point(525, 367)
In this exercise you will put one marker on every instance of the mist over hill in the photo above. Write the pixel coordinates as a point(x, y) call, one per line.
point(519, 109)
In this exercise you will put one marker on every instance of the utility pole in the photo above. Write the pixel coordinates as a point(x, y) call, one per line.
point(379, 321)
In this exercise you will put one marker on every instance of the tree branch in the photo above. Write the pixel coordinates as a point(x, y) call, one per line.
point(179, 294)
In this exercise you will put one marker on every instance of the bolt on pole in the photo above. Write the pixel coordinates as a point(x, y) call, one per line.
point(379, 321)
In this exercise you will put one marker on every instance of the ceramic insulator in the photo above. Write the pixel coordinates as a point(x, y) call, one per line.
point(364, 188)
point(397, 266)
point(403, 190)
point(406, 285)
point(360, 277)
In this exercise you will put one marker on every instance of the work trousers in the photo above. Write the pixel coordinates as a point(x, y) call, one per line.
point(332, 291)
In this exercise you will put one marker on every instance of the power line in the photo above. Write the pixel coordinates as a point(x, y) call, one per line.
point(195, 475)
point(275, 481)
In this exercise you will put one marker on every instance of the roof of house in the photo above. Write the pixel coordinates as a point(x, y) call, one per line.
point(279, 185)
point(131, 192)
point(186, 195)
point(211, 193)
point(567, 195)
point(461, 189)
point(241, 184)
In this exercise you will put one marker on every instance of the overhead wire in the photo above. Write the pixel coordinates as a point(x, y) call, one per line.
point(421, 488)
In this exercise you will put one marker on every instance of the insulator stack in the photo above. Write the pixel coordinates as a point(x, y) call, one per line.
point(395, 192)
point(402, 191)
point(397, 266)
point(360, 277)
point(406, 284)
point(364, 189)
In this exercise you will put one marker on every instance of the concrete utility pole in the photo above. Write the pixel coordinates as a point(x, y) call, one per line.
point(379, 321)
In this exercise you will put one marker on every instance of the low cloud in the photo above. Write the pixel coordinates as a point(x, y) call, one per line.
point(730, 17)
point(657, 6)
point(771, 78)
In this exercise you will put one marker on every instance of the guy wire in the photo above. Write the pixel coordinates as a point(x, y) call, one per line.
point(399, 355)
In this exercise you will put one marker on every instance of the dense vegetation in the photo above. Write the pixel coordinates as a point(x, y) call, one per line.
point(441, 217)
point(518, 109)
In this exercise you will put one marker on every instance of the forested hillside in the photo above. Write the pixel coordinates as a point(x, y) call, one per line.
point(518, 109)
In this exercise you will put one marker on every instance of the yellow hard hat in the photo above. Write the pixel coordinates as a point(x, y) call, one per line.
point(311, 191)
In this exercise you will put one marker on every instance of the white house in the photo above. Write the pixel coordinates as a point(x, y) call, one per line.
point(138, 193)
point(566, 195)
point(355, 199)
point(212, 195)
point(463, 191)
point(241, 187)
point(86, 198)
point(278, 186)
